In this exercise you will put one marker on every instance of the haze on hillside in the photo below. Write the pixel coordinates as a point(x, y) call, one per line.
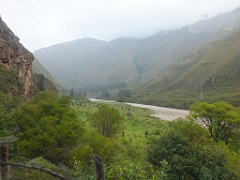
point(43, 23)
point(94, 64)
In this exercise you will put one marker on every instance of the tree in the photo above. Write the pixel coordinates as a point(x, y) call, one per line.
point(124, 93)
point(191, 154)
point(221, 119)
point(105, 94)
point(8, 106)
point(48, 127)
point(72, 93)
point(107, 120)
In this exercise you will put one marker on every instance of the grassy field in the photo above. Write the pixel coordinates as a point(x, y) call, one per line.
point(139, 126)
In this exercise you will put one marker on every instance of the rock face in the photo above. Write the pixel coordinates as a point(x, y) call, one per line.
point(43, 83)
point(15, 57)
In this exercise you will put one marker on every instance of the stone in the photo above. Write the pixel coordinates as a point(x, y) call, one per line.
point(15, 57)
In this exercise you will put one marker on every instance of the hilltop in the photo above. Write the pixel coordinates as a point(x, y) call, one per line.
point(95, 64)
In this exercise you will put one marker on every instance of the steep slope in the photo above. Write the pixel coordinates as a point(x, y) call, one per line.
point(16, 77)
point(18, 61)
point(212, 73)
point(92, 63)
point(42, 74)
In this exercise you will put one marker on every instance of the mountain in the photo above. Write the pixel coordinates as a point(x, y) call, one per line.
point(89, 63)
point(16, 77)
point(15, 65)
point(211, 73)
point(40, 73)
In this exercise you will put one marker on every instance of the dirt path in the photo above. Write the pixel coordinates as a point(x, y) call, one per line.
point(167, 114)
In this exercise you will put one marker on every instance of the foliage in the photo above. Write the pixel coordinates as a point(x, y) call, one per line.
point(190, 154)
point(211, 73)
point(107, 120)
point(107, 148)
point(123, 93)
point(8, 105)
point(47, 127)
point(17, 172)
point(130, 169)
point(105, 94)
point(42, 83)
point(221, 119)
point(9, 81)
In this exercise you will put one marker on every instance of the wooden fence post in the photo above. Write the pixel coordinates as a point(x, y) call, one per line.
point(4, 158)
point(99, 167)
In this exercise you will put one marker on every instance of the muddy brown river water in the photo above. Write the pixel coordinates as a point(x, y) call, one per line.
point(167, 114)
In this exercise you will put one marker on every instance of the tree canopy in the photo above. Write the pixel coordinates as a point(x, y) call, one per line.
point(48, 127)
point(221, 119)
point(191, 154)
point(107, 120)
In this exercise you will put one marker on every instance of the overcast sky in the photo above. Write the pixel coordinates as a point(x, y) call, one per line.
point(41, 23)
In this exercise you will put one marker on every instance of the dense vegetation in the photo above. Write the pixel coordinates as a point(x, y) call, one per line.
point(63, 134)
point(8, 81)
point(96, 64)
point(210, 74)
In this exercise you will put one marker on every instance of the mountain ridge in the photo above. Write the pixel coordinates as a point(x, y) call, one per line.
point(211, 73)
point(122, 62)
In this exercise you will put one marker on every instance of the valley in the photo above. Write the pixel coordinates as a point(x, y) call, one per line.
point(166, 106)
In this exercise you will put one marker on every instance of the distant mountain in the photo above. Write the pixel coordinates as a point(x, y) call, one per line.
point(90, 63)
point(211, 73)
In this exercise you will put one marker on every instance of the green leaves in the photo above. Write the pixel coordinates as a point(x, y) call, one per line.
point(188, 157)
point(221, 119)
point(107, 120)
point(48, 127)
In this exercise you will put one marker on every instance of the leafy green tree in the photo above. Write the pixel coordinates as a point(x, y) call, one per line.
point(221, 119)
point(105, 94)
point(48, 127)
point(191, 154)
point(107, 120)
point(8, 106)
point(72, 93)
point(131, 169)
point(124, 93)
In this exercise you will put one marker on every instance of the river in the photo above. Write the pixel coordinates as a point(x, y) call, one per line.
point(167, 114)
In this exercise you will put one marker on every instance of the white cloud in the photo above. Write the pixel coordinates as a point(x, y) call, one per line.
point(41, 23)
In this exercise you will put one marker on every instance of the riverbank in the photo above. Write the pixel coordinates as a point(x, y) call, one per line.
point(163, 113)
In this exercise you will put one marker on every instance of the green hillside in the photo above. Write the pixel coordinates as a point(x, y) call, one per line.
point(212, 73)
point(8, 81)
point(40, 71)
point(91, 63)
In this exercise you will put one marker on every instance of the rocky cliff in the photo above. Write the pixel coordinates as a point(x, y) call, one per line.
point(16, 58)
point(43, 83)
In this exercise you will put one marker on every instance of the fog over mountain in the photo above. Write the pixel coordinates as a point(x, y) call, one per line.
point(211, 73)
point(44, 23)
point(90, 62)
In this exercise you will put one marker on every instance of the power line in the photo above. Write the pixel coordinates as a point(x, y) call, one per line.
point(178, 17)
point(188, 20)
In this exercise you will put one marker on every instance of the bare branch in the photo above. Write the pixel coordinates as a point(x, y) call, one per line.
point(52, 173)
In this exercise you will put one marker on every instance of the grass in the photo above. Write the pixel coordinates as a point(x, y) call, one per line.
point(214, 67)
point(139, 126)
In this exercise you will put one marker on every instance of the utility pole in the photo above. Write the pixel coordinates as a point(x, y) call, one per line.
point(4, 160)
point(201, 91)
point(99, 167)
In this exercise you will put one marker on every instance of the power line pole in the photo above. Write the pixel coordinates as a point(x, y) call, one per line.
point(4, 159)
point(201, 91)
